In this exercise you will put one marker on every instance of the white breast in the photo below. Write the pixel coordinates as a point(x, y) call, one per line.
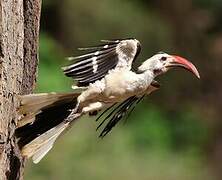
point(121, 84)
point(116, 86)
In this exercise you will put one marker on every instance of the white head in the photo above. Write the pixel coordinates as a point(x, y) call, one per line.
point(162, 62)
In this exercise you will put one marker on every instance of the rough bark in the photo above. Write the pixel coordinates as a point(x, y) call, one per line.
point(19, 31)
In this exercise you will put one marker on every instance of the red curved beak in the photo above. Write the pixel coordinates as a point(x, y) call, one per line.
point(178, 61)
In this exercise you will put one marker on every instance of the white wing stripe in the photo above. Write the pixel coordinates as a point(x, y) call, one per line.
point(95, 65)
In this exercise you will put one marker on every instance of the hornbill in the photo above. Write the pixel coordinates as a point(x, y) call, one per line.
point(105, 80)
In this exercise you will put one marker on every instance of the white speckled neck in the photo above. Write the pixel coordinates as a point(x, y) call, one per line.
point(148, 75)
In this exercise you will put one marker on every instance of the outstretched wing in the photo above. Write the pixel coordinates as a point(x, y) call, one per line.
point(95, 64)
point(119, 111)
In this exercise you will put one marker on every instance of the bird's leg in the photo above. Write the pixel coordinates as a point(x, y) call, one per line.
point(93, 107)
point(72, 116)
point(74, 113)
point(79, 88)
point(92, 92)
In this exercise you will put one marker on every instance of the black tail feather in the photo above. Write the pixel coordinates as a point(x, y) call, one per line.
point(49, 117)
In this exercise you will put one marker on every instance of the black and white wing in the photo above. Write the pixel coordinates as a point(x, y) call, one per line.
point(118, 112)
point(95, 64)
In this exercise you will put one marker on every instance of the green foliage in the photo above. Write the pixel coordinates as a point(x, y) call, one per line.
point(50, 76)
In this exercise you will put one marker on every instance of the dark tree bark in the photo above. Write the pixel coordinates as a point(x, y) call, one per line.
point(19, 33)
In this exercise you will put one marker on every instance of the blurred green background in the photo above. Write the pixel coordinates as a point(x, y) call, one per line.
point(175, 133)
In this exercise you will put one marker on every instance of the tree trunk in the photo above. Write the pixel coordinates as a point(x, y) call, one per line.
point(19, 33)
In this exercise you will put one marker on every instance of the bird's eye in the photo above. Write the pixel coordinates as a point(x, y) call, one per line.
point(163, 58)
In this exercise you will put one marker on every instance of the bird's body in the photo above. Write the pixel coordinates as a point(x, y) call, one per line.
point(106, 80)
point(116, 86)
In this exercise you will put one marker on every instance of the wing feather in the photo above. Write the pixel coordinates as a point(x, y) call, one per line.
point(118, 112)
point(95, 64)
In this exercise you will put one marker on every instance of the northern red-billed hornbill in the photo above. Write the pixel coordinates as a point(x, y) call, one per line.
point(105, 80)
